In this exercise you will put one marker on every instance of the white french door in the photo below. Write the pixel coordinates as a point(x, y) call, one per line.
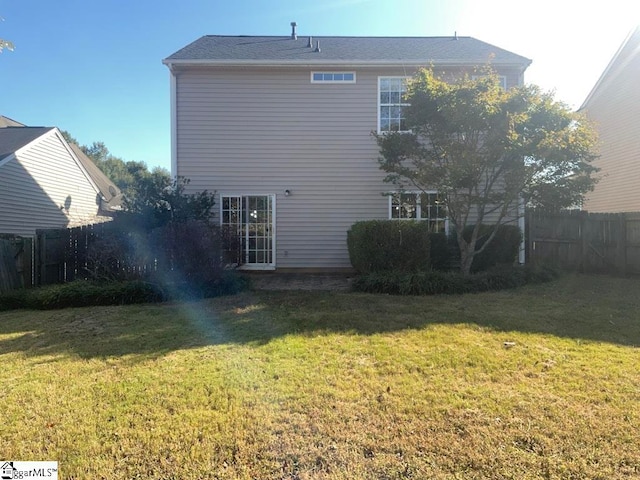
point(249, 222)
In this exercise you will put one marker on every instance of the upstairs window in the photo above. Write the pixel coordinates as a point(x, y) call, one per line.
point(502, 80)
point(428, 207)
point(333, 77)
point(392, 104)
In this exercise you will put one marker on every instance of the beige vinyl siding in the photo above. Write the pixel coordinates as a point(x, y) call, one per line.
point(615, 110)
point(263, 131)
point(38, 186)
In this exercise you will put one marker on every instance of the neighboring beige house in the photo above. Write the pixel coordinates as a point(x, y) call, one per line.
point(47, 183)
point(614, 107)
point(280, 128)
point(9, 122)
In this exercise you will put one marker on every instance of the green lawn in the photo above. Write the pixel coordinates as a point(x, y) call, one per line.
point(299, 385)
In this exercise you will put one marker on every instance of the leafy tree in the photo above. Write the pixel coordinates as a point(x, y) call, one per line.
point(151, 197)
point(159, 200)
point(486, 149)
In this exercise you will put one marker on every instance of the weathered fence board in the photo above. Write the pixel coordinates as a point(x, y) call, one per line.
point(61, 254)
point(16, 254)
point(586, 242)
point(64, 255)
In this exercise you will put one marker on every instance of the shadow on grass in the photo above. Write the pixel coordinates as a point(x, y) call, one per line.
point(581, 307)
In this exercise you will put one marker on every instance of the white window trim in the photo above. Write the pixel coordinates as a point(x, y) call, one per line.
point(418, 208)
point(254, 266)
point(379, 104)
point(502, 78)
point(338, 82)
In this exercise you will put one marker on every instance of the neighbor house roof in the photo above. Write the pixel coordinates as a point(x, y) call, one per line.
point(218, 49)
point(9, 122)
point(110, 193)
point(13, 139)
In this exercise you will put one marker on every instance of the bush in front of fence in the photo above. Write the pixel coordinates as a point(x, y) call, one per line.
point(185, 258)
point(437, 282)
point(83, 293)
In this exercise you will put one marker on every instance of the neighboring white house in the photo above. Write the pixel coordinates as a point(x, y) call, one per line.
point(47, 183)
point(614, 106)
point(280, 128)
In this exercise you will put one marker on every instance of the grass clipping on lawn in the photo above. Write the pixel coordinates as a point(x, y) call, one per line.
point(539, 382)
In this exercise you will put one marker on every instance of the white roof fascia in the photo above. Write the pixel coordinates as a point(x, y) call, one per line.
point(606, 71)
point(357, 63)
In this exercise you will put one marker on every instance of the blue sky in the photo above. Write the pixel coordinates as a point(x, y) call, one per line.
point(93, 67)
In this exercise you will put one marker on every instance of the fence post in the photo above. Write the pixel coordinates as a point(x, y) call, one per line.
point(41, 260)
point(621, 244)
point(584, 242)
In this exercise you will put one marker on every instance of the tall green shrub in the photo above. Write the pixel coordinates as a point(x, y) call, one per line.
point(389, 245)
point(502, 250)
point(440, 251)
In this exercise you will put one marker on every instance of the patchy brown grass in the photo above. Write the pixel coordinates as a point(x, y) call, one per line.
point(293, 385)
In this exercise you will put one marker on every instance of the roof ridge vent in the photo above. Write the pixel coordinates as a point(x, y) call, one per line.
point(294, 35)
point(310, 43)
point(317, 46)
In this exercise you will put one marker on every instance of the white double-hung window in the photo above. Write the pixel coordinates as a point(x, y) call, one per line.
point(423, 206)
point(392, 104)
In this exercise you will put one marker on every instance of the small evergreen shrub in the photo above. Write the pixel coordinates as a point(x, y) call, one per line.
point(389, 245)
point(83, 293)
point(14, 299)
point(435, 282)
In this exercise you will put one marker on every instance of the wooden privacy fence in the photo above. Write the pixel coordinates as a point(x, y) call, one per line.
point(16, 262)
point(585, 242)
point(63, 255)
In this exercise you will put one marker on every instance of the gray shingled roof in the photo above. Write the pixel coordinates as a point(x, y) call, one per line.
point(14, 138)
point(413, 50)
point(111, 194)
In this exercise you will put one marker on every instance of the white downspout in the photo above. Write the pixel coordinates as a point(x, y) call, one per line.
point(174, 125)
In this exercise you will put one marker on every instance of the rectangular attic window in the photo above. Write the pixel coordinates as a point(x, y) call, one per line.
point(333, 77)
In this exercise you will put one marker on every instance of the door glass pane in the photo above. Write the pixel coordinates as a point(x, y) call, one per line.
point(249, 221)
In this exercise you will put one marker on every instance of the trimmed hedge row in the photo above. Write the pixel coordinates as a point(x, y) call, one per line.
point(434, 282)
point(408, 246)
point(387, 245)
point(82, 293)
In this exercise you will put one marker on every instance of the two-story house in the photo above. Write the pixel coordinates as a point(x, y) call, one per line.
point(280, 128)
point(614, 106)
